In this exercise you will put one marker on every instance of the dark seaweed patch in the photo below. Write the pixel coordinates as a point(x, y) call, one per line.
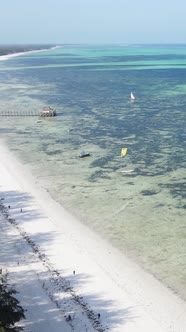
point(148, 192)
point(51, 153)
point(97, 175)
point(177, 189)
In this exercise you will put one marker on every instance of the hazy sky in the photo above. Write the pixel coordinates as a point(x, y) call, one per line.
point(92, 21)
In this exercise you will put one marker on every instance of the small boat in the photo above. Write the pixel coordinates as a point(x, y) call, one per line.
point(123, 152)
point(132, 96)
point(127, 171)
point(84, 154)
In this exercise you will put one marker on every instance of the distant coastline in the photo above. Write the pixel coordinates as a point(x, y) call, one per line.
point(13, 49)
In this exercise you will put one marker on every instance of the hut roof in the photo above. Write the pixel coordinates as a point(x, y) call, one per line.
point(47, 109)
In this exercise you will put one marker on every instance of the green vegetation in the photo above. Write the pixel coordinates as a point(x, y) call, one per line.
point(10, 310)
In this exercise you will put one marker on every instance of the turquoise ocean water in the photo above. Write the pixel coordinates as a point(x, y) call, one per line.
point(142, 213)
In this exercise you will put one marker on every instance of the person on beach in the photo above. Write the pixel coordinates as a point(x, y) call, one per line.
point(74, 272)
point(68, 318)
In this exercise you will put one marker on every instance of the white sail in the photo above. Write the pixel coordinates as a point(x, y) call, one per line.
point(132, 96)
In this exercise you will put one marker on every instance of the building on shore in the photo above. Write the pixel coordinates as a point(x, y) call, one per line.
point(48, 111)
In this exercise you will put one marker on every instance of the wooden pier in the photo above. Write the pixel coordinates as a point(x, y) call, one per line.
point(19, 113)
point(45, 112)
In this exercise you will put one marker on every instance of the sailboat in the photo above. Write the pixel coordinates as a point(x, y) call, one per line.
point(123, 152)
point(132, 96)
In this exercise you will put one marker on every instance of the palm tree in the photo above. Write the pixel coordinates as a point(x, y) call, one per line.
point(10, 310)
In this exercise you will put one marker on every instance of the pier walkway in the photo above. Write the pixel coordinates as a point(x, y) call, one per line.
point(20, 113)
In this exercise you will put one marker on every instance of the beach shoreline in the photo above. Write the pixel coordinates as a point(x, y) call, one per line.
point(16, 54)
point(127, 298)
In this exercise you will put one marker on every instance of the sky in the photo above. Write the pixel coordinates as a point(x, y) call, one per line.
point(92, 21)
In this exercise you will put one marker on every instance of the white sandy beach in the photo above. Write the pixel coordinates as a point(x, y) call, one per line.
point(42, 246)
point(13, 55)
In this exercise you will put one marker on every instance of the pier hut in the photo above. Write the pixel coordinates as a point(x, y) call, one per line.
point(48, 111)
